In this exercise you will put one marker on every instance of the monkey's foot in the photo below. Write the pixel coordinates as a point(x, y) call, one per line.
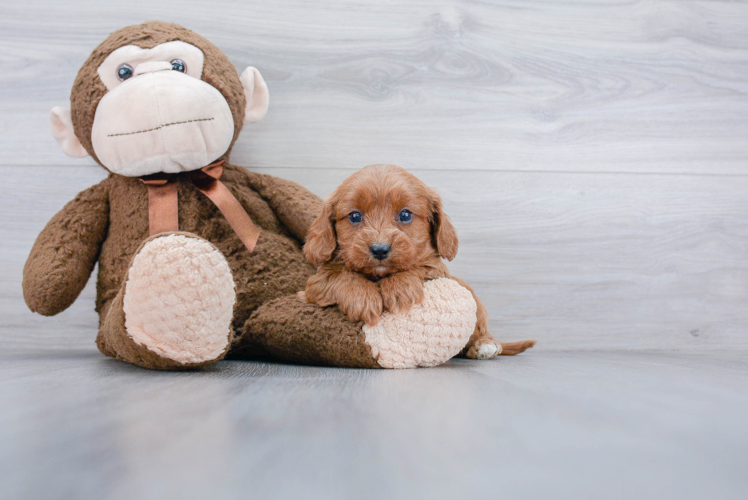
point(430, 333)
point(179, 299)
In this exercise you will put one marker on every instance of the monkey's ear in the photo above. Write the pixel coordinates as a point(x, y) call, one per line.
point(443, 232)
point(321, 239)
point(256, 93)
point(62, 130)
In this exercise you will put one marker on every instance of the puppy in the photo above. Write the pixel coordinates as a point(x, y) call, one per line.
point(381, 234)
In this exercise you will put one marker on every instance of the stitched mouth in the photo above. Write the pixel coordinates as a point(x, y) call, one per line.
point(161, 126)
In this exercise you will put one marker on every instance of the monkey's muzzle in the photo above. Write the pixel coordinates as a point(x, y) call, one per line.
point(161, 121)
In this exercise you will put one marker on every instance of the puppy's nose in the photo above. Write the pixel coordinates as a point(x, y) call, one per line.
point(380, 251)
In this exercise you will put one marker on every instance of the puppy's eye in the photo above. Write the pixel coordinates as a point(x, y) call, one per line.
point(355, 217)
point(405, 216)
point(124, 72)
point(178, 65)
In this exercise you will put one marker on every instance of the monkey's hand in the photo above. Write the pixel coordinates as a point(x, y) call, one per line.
point(401, 291)
point(66, 251)
point(355, 295)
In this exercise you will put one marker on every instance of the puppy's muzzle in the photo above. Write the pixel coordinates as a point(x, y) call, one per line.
point(380, 251)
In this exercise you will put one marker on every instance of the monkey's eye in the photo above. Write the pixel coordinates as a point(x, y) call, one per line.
point(355, 217)
point(405, 216)
point(124, 72)
point(178, 65)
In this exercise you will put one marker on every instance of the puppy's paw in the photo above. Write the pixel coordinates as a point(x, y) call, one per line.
point(401, 291)
point(484, 349)
point(301, 296)
point(363, 305)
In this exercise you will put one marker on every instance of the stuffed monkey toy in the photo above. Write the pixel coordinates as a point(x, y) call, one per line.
point(200, 259)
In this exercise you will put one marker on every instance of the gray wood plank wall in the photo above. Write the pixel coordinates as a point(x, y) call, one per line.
point(591, 154)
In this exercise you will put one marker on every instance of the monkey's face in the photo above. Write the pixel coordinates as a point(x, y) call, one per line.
point(158, 115)
point(145, 107)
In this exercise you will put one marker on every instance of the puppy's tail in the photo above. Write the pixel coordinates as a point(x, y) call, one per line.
point(512, 348)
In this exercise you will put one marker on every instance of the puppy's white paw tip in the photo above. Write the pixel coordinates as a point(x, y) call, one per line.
point(488, 351)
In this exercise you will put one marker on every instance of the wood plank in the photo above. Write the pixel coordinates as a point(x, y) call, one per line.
point(578, 261)
point(538, 426)
point(624, 86)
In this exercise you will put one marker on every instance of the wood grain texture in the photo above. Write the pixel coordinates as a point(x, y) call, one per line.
point(592, 155)
point(621, 86)
point(546, 425)
point(575, 260)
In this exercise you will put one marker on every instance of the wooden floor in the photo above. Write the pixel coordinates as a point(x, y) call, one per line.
point(547, 425)
point(594, 159)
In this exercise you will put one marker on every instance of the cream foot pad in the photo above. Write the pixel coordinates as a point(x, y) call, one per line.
point(430, 333)
point(179, 299)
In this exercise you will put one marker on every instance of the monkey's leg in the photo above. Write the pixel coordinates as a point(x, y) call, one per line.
point(174, 310)
point(288, 329)
point(429, 334)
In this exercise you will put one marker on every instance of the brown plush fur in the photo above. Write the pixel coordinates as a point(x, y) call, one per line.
point(363, 286)
point(290, 330)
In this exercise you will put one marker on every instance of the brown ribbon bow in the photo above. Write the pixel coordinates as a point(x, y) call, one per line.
point(163, 204)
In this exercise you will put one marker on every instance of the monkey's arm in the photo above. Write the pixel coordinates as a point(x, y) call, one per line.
point(295, 206)
point(65, 252)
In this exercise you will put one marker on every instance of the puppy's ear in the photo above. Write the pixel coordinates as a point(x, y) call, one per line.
point(321, 240)
point(442, 231)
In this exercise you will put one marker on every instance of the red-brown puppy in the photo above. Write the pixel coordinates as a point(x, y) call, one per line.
point(381, 234)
